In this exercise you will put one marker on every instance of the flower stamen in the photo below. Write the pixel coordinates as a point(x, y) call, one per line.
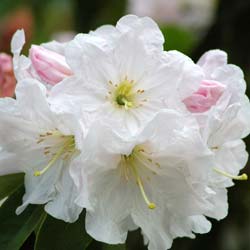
point(129, 164)
point(64, 151)
point(125, 94)
point(242, 177)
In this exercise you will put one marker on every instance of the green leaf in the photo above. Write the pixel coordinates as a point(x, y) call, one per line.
point(40, 224)
point(58, 235)
point(95, 245)
point(177, 38)
point(14, 230)
point(114, 247)
point(9, 184)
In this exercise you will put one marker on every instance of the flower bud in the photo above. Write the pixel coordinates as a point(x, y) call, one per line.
point(205, 97)
point(49, 65)
point(7, 78)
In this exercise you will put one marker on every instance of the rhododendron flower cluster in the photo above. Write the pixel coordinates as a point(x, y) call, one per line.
point(138, 136)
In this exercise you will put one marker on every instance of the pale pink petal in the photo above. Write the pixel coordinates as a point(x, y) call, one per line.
point(50, 66)
point(205, 97)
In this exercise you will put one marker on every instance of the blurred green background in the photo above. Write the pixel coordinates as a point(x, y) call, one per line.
point(191, 26)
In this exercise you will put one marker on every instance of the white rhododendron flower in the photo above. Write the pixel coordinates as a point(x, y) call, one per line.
point(46, 62)
point(223, 112)
point(43, 145)
point(127, 78)
point(156, 181)
point(139, 137)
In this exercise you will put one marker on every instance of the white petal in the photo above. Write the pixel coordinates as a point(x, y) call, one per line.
point(8, 105)
point(108, 222)
point(16, 133)
point(220, 204)
point(108, 32)
point(21, 63)
point(63, 205)
point(232, 76)
point(211, 60)
point(200, 224)
point(40, 189)
point(31, 93)
point(8, 163)
point(145, 28)
point(230, 157)
point(189, 75)
point(78, 50)
point(17, 42)
point(55, 46)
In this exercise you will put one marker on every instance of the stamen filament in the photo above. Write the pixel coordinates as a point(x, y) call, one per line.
point(55, 157)
point(242, 177)
point(150, 204)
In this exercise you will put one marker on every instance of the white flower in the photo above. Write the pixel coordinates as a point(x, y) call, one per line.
point(156, 181)
point(44, 146)
point(223, 125)
point(127, 78)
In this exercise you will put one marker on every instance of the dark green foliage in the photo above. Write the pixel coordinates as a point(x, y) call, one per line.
point(58, 235)
point(14, 230)
point(10, 183)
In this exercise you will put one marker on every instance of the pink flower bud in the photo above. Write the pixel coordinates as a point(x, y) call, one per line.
point(205, 97)
point(50, 66)
point(7, 78)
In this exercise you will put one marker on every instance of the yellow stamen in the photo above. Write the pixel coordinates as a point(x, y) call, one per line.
point(69, 144)
point(52, 161)
point(150, 204)
point(242, 177)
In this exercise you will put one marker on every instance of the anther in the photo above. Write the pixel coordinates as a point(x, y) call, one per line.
point(55, 156)
point(158, 164)
point(215, 148)
point(39, 141)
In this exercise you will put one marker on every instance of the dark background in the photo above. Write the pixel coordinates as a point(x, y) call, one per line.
point(229, 31)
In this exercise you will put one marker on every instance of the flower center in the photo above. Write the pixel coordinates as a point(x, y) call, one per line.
point(57, 146)
point(138, 165)
point(125, 95)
